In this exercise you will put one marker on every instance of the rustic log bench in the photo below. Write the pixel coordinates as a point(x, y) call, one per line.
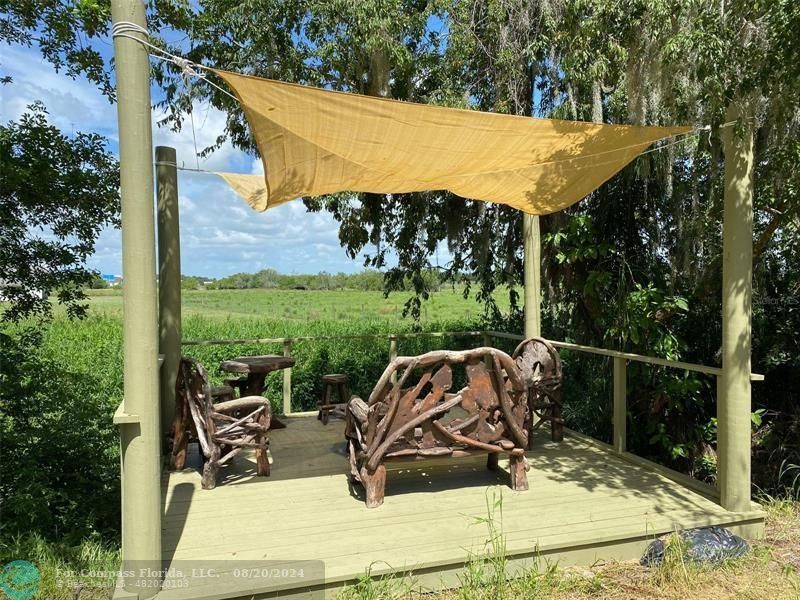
point(417, 417)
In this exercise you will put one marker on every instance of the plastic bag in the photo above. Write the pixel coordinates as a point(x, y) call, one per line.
point(709, 544)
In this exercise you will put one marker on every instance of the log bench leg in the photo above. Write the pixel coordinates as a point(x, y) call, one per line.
point(262, 459)
point(180, 443)
point(262, 462)
point(519, 478)
point(491, 461)
point(374, 485)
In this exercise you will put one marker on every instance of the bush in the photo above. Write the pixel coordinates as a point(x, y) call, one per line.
point(59, 474)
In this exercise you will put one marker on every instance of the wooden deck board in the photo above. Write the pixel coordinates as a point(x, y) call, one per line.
point(581, 497)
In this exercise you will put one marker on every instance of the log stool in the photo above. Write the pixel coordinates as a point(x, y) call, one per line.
point(339, 381)
point(222, 393)
point(237, 383)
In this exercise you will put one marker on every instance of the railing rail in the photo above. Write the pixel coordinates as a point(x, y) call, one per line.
point(619, 370)
point(305, 338)
point(664, 362)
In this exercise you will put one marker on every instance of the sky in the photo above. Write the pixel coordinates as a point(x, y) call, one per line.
point(220, 234)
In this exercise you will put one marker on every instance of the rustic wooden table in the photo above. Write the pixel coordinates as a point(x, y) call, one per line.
point(256, 369)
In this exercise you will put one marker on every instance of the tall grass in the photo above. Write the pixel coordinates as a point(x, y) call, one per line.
point(363, 360)
point(85, 571)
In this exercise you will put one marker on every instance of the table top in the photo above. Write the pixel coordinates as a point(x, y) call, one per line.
point(257, 364)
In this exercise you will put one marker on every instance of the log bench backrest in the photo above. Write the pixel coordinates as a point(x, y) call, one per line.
point(408, 416)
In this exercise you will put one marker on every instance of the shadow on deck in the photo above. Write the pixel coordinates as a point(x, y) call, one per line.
point(585, 503)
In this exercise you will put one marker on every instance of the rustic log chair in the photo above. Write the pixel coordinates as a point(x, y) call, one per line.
point(222, 429)
point(541, 364)
point(407, 420)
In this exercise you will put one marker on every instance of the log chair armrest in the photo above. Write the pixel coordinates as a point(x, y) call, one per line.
point(358, 409)
point(251, 402)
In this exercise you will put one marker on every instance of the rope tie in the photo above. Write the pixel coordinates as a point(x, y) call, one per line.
point(187, 67)
point(122, 27)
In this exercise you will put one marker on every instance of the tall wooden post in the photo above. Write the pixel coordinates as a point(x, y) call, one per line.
point(393, 355)
point(287, 380)
point(141, 435)
point(532, 275)
point(169, 278)
point(620, 404)
point(733, 401)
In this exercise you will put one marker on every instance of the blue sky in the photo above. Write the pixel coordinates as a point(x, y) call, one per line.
point(220, 235)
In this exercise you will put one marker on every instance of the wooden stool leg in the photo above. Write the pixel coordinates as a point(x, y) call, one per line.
point(323, 409)
point(343, 393)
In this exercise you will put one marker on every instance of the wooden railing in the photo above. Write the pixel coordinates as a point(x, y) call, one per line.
point(620, 364)
point(620, 378)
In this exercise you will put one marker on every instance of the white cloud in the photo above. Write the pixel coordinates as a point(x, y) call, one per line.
point(198, 132)
point(73, 104)
point(220, 235)
point(257, 167)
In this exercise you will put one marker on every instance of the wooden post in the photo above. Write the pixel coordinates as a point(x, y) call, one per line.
point(733, 385)
point(287, 380)
point(620, 431)
point(532, 264)
point(488, 339)
point(393, 354)
point(169, 278)
point(140, 441)
point(532, 275)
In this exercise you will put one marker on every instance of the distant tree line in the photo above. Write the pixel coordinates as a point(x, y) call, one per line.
point(367, 280)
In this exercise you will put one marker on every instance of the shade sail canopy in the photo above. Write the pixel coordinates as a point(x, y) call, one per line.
point(314, 142)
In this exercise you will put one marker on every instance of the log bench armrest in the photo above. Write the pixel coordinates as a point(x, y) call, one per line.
point(251, 402)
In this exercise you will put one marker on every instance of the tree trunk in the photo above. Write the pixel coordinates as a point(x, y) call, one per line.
point(597, 102)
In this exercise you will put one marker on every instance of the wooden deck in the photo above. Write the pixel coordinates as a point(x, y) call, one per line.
point(585, 504)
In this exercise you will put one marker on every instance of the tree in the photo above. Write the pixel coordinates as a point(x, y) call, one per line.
point(56, 194)
point(61, 29)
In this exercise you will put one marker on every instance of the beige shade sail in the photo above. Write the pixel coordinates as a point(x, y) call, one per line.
point(314, 142)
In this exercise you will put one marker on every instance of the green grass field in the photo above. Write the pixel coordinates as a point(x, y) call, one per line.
point(92, 347)
point(310, 305)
